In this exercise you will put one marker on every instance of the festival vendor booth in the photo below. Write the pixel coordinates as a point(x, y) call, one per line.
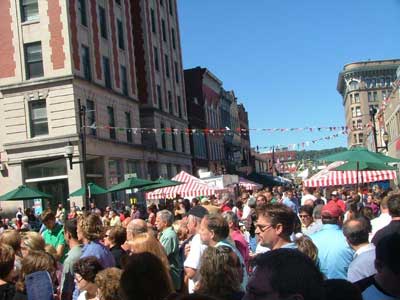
point(191, 187)
point(330, 176)
point(249, 185)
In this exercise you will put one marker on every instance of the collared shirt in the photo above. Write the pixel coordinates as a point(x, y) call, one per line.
point(67, 277)
point(334, 254)
point(193, 260)
point(169, 240)
point(378, 223)
point(95, 248)
point(362, 265)
point(55, 237)
point(312, 228)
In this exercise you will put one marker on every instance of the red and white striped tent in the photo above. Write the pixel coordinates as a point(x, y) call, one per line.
point(330, 177)
point(192, 187)
point(248, 184)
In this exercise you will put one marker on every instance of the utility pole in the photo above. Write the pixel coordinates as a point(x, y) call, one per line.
point(82, 138)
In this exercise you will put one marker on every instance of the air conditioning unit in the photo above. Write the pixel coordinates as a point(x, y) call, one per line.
point(2, 166)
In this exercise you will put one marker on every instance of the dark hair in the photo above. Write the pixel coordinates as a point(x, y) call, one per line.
point(341, 289)
point(307, 280)
point(117, 235)
point(48, 215)
point(357, 230)
point(218, 225)
point(152, 281)
point(367, 212)
point(88, 267)
point(394, 205)
point(279, 214)
point(387, 252)
point(308, 209)
point(319, 202)
point(71, 226)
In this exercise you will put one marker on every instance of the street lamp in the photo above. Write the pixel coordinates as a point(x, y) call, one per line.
point(385, 135)
point(69, 149)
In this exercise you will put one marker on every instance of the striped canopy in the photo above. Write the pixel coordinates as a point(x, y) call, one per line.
point(191, 187)
point(330, 177)
point(249, 185)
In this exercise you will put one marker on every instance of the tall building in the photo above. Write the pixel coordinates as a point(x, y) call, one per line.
point(363, 85)
point(203, 91)
point(161, 87)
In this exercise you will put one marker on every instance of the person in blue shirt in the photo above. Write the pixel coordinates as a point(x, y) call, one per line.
point(334, 254)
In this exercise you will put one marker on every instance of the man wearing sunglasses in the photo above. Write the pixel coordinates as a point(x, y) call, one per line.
point(274, 226)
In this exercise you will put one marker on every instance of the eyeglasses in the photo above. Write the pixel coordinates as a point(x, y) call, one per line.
point(263, 228)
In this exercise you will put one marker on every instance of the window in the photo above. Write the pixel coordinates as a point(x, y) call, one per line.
point(180, 106)
point(357, 98)
point(106, 70)
point(118, 2)
point(111, 122)
point(161, 2)
point(183, 141)
point(360, 138)
point(355, 138)
point(384, 95)
point(382, 81)
point(128, 125)
point(358, 111)
point(159, 97)
point(124, 81)
point(153, 21)
point(351, 98)
point(121, 41)
point(368, 82)
point(173, 38)
point(176, 72)
point(373, 82)
point(359, 124)
point(91, 117)
point(388, 81)
point(38, 118)
point(167, 65)
point(164, 33)
point(29, 10)
point(33, 60)
point(162, 131)
point(83, 14)
point(353, 85)
point(170, 104)
point(170, 7)
point(369, 96)
point(375, 96)
point(103, 22)
point(87, 74)
point(156, 62)
point(173, 139)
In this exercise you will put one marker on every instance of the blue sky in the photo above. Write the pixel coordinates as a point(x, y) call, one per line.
point(282, 57)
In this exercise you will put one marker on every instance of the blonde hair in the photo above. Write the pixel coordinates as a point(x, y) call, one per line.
point(107, 282)
point(146, 242)
point(305, 244)
point(12, 238)
point(35, 261)
point(91, 227)
point(33, 240)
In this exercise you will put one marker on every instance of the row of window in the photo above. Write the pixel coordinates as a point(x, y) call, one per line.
point(371, 82)
point(173, 139)
point(163, 29)
point(170, 102)
point(167, 68)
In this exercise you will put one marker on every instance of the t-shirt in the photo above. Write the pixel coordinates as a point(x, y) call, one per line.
point(193, 260)
point(67, 279)
point(393, 227)
point(55, 237)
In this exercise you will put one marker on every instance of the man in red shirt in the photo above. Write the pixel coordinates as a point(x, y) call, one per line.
point(337, 201)
point(224, 203)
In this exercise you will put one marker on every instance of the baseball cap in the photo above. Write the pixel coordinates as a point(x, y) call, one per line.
point(198, 211)
point(204, 200)
point(331, 210)
point(334, 193)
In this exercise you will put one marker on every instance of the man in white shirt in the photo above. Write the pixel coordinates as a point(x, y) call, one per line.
point(383, 219)
point(356, 233)
point(195, 248)
point(307, 194)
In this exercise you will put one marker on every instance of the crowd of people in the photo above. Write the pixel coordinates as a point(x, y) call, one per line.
point(277, 243)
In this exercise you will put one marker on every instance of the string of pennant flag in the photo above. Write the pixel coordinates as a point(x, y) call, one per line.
point(217, 131)
point(301, 145)
point(386, 101)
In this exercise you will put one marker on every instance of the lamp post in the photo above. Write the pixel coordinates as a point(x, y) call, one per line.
point(69, 149)
point(385, 135)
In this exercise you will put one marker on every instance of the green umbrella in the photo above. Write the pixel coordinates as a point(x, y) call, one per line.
point(363, 166)
point(130, 183)
point(161, 183)
point(24, 193)
point(360, 154)
point(93, 190)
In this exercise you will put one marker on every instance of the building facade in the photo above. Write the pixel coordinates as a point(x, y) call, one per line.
point(244, 139)
point(280, 161)
point(161, 87)
point(363, 86)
